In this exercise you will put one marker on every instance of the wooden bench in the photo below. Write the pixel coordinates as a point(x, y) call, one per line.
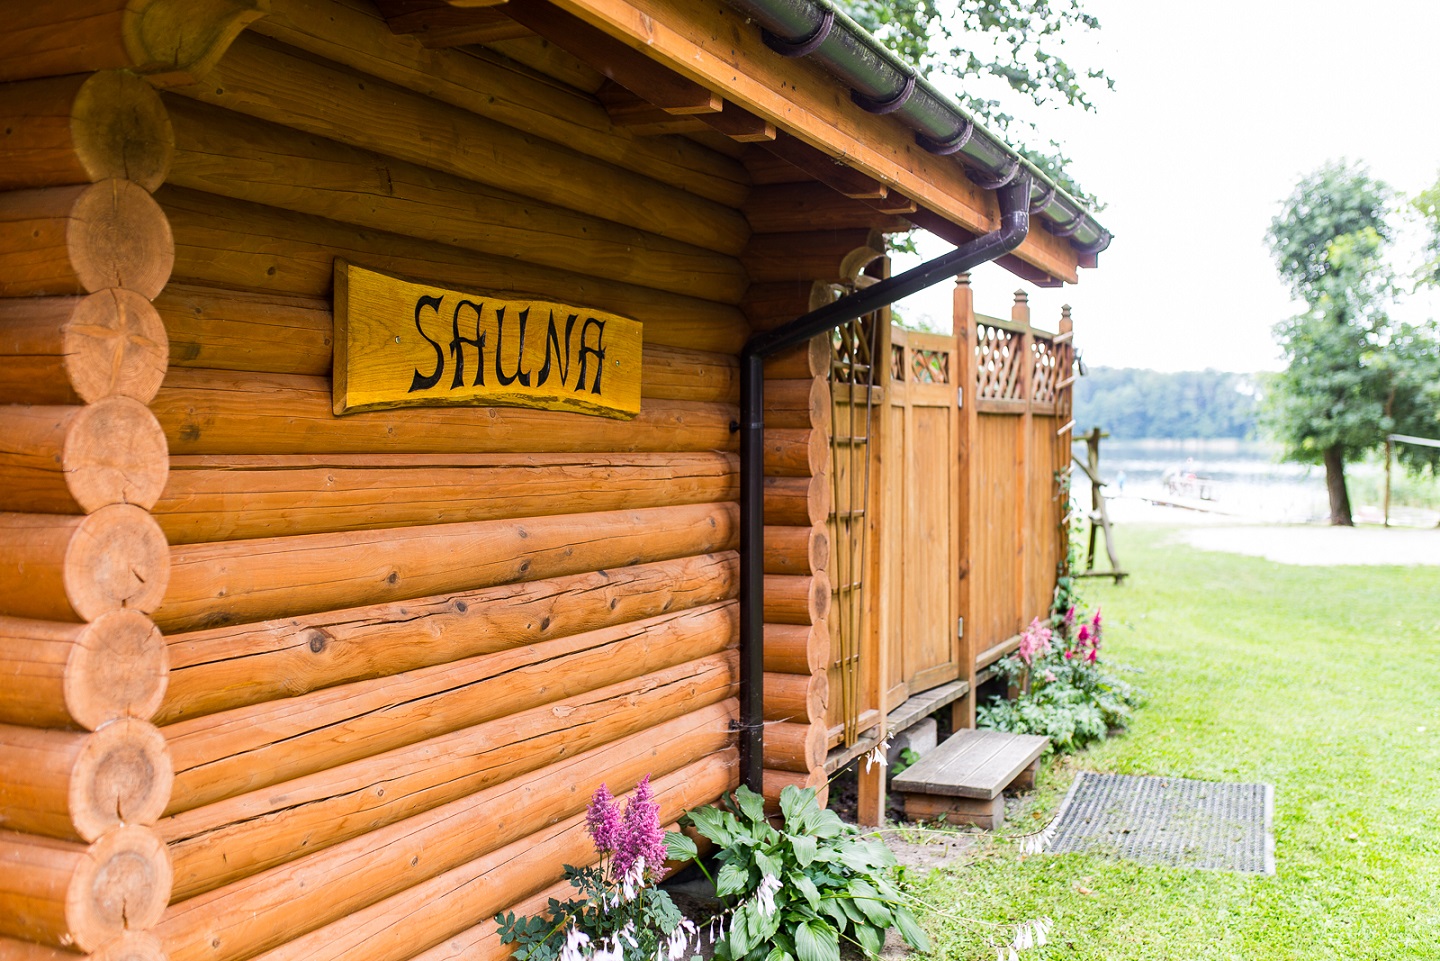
point(963, 779)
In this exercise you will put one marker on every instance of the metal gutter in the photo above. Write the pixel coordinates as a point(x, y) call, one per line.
point(881, 82)
point(1015, 206)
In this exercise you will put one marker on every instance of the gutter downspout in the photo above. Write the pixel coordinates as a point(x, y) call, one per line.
point(1014, 198)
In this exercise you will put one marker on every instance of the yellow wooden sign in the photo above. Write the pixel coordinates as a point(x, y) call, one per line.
point(404, 344)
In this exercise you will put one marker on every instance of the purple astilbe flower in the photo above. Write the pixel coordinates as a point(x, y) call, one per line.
point(603, 820)
point(640, 837)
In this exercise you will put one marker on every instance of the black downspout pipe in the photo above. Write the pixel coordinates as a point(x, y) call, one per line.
point(1014, 199)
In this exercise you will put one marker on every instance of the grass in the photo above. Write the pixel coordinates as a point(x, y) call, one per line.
point(1324, 682)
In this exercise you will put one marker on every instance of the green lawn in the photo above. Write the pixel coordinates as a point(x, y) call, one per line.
point(1324, 682)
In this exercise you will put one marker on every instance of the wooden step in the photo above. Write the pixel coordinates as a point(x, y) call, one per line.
point(963, 779)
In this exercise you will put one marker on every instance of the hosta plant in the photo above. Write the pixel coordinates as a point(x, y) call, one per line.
point(796, 891)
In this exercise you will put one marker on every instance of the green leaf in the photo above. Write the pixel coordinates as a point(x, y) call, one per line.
point(828, 825)
point(807, 889)
point(680, 847)
point(778, 953)
point(805, 848)
point(871, 938)
point(714, 824)
point(751, 804)
point(793, 802)
point(868, 900)
point(909, 930)
point(817, 941)
point(767, 864)
point(732, 880)
point(739, 937)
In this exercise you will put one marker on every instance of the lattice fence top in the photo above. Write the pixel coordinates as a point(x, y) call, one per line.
point(929, 366)
point(997, 363)
point(852, 353)
point(1044, 372)
point(897, 362)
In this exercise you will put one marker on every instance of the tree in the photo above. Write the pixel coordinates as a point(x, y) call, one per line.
point(1350, 368)
point(1009, 48)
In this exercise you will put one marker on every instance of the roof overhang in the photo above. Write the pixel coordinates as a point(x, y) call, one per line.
point(707, 60)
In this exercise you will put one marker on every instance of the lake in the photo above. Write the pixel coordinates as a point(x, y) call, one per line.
point(1238, 478)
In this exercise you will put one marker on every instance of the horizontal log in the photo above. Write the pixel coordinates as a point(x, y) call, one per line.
point(248, 748)
point(802, 404)
point(797, 648)
point(225, 153)
point(264, 79)
point(833, 255)
point(169, 37)
point(805, 360)
point(796, 550)
point(76, 460)
point(294, 254)
point(80, 675)
point(790, 208)
point(59, 568)
point(796, 599)
point(796, 453)
point(61, 241)
point(216, 670)
point(473, 893)
point(233, 582)
point(79, 896)
point(76, 350)
point(130, 946)
point(275, 906)
point(440, 28)
point(226, 841)
point(796, 698)
point(797, 501)
point(794, 746)
point(671, 373)
point(216, 498)
point(83, 128)
point(487, 83)
point(77, 785)
point(247, 330)
point(481, 942)
point(210, 412)
point(774, 304)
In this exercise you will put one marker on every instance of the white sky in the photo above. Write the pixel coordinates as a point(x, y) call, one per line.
point(1219, 109)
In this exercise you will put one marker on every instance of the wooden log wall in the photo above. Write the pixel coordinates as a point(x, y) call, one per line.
point(399, 650)
point(85, 773)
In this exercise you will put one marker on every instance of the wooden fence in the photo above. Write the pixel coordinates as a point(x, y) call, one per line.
point(965, 534)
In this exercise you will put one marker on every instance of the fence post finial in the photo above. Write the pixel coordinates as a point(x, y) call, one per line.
point(1020, 313)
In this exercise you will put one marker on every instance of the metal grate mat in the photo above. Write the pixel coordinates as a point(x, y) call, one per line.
point(1168, 821)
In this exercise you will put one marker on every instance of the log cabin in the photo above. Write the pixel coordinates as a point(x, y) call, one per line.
point(418, 412)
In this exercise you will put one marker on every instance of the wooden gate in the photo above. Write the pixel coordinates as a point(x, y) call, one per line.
point(920, 530)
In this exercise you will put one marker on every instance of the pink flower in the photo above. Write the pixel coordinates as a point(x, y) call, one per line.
point(1069, 655)
point(1035, 642)
point(1084, 636)
point(1050, 675)
point(641, 840)
point(603, 820)
point(1070, 616)
point(1094, 653)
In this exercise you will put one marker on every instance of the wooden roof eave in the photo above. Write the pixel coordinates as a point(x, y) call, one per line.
point(712, 45)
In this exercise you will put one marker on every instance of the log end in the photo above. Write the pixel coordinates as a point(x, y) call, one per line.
point(131, 946)
point(115, 453)
point(118, 669)
point(117, 559)
point(182, 39)
point(122, 776)
point(119, 237)
point(120, 128)
point(123, 883)
point(115, 345)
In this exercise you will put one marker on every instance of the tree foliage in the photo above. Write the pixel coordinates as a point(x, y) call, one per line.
point(1137, 404)
point(1353, 373)
point(994, 49)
